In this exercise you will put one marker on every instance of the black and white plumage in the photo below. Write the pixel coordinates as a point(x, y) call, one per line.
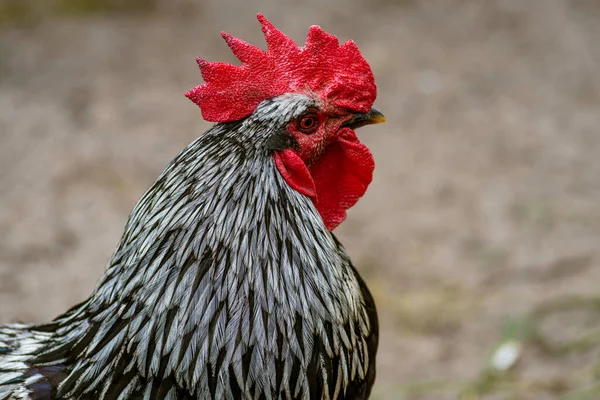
point(226, 285)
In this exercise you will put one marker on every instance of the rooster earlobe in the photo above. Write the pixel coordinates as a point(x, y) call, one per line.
point(295, 173)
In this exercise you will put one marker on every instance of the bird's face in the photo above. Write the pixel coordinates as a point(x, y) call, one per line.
point(317, 152)
point(315, 130)
point(310, 99)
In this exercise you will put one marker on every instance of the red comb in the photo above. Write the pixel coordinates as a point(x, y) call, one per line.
point(338, 74)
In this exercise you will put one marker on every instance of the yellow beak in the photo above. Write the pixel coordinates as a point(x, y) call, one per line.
point(374, 116)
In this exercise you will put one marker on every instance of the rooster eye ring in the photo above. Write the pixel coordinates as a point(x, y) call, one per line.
point(308, 123)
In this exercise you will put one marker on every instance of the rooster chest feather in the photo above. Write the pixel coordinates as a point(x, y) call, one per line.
point(227, 284)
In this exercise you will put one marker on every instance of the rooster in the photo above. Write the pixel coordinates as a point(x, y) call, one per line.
point(228, 282)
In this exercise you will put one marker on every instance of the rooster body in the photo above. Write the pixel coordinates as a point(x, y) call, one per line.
point(226, 284)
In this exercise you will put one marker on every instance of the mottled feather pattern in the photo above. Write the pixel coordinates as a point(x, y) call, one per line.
point(226, 285)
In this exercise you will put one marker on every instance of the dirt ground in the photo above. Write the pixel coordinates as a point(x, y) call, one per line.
point(479, 236)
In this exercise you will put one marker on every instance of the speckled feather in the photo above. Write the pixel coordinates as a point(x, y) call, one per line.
point(226, 285)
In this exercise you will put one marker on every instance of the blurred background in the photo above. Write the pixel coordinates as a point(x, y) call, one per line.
point(479, 237)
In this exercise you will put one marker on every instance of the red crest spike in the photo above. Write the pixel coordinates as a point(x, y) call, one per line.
point(245, 52)
point(338, 74)
point(277, 42)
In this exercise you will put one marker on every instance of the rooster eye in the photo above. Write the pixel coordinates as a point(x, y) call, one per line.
point(308, 123)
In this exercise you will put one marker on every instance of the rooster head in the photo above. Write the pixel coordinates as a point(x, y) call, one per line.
point(312, 98)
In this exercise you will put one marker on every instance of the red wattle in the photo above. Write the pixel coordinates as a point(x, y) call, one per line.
point(295, 173)
point(338, 179)
point(341, 177)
